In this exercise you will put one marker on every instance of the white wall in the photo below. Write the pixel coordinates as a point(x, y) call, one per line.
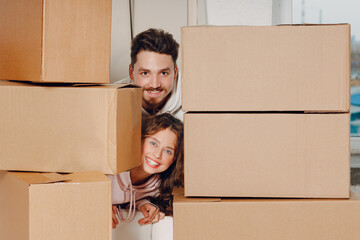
point(243, 12)
point(120, 40)
point(169, 15)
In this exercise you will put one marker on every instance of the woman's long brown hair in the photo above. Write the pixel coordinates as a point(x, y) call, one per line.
point(174, 175)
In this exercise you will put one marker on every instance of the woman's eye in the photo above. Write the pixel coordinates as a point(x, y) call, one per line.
point(168, 152)
point(153, 143)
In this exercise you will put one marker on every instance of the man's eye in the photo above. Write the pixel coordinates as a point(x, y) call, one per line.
point(144, 73)
point(164, 73)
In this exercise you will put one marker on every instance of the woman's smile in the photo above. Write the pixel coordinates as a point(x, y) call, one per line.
point(151, 162)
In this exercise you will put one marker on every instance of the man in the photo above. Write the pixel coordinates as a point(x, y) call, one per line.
point(153, 67)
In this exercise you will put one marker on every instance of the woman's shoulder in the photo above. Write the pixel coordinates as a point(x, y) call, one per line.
point(121, 179)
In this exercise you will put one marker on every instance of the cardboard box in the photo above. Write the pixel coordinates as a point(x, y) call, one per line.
point(272, 68)
point(69, 128)
point(55, 41)
point(38, 206)
point(267, 155)
point(266, 219)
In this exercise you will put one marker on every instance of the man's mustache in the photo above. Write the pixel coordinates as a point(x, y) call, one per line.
point(154, 89)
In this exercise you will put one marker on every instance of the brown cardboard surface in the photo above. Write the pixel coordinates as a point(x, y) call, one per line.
point(70, 210)
point(20, 39)
point(69, 129)
point(272, 68)
point(267, 155)
point(262, 219)
point(55, 41)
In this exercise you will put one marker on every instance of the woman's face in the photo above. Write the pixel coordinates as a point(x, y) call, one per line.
point(158, 151)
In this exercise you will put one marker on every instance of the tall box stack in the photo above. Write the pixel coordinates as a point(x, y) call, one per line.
point(55, 117)
point(267, 116)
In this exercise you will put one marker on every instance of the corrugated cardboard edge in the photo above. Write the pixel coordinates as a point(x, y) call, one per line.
point(182, 31)
point(180, 198)
point(348, 78)
point(116, 117)
point(111, 130)
point(131, 127)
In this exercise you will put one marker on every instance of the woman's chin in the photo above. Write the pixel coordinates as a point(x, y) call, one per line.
point(149, 170)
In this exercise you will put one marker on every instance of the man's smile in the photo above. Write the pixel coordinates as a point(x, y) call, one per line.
point(153, 93)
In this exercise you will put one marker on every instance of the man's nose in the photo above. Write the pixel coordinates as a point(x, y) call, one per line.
point(155, 81)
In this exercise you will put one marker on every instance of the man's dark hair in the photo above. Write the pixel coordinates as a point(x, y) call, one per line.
point(154, 40)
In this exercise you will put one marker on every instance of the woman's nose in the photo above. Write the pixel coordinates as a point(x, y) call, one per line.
point(158, 153)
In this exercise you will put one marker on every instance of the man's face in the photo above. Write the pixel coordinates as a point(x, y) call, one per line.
point(156, 74)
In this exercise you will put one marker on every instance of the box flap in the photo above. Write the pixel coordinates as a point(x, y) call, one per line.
point(40, 178)
point(88, 176)
point(121, 85)
point(66, 85)
point(4, 83)
point(78, 177)
point(110, 85)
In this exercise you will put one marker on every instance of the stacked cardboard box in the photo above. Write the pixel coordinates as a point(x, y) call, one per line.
point(55, 41)
point(58, 119)
point(267, 117)
point(69, 128)
point(55, 206)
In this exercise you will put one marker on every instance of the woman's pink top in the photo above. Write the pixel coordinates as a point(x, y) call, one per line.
point(124, 192)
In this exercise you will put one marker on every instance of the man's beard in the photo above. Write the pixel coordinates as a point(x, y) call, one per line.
point(153, 105)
